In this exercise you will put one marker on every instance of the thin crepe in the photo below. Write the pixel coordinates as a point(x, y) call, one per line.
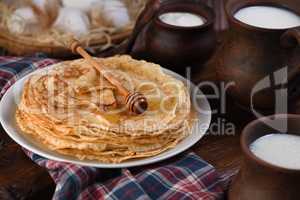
point(73, 110)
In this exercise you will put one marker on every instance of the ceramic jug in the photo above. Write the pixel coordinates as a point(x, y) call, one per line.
point(173, 47)
point(251, 54)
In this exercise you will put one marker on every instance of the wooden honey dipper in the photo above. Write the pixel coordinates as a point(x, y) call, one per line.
point(135, 101)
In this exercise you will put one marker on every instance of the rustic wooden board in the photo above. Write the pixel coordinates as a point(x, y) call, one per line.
point(20, 178)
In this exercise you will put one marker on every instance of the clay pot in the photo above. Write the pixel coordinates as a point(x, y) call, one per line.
point(259, 180)
point(171, 46)
point(249, 54)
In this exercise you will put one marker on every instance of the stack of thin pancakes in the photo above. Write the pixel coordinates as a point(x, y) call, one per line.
point(73, 110)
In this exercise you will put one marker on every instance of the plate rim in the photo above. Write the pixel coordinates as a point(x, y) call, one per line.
point(27, 144)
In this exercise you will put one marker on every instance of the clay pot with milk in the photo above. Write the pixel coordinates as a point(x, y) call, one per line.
point(251, 55)
point(175, 46)
point(258, 178)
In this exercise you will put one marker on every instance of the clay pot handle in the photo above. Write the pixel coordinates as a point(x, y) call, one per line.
point(145, 17)
point(291, 38)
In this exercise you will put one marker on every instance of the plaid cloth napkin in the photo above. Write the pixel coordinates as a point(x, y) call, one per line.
point(185, 177)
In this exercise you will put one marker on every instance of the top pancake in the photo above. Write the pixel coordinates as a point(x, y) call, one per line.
point(76, 90)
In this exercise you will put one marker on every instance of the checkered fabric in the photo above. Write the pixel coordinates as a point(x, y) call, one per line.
point(186, 176)
point(12, 68)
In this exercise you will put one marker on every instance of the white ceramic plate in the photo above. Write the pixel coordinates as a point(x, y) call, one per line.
point(11, 98)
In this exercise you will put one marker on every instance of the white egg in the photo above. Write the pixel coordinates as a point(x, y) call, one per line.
point(84, 5)
point(23, 21)
point(74, 21)
point(114, 11)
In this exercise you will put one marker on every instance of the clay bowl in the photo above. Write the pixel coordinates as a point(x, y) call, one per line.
point(259, 180)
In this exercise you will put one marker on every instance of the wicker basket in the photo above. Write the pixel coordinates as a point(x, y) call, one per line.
point(26, 45)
